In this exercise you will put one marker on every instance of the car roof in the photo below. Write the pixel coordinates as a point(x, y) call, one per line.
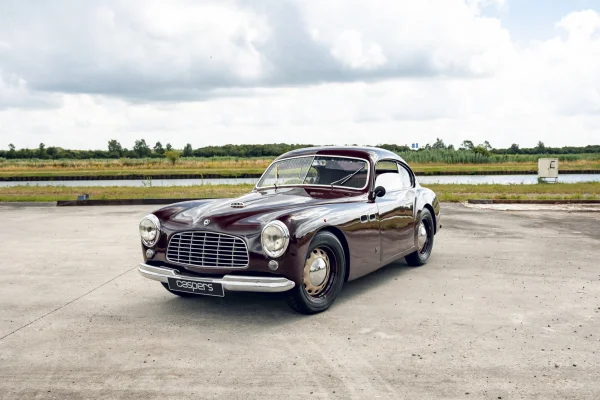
point(373, 153)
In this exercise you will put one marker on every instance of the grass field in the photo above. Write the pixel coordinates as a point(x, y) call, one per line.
point(143, 167)
point(237, 167)
point(453, 193)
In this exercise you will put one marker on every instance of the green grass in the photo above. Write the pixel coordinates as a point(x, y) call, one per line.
point(555, 191)
point(139, 172)
point(511, 167)
point(237, 167)
point(449, 192)
point(470, 157)
point(53, 193)
point(142, 167)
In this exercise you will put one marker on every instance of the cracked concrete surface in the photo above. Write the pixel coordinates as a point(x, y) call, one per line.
point(508, 306)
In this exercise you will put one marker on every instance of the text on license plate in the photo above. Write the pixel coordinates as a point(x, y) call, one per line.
point(196, 287)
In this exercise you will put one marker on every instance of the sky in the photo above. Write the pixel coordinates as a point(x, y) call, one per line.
point(76, 74)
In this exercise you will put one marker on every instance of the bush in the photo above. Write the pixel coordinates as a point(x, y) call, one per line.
point(172, 156)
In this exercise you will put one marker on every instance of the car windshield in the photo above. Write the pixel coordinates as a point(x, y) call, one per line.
point(317, 170)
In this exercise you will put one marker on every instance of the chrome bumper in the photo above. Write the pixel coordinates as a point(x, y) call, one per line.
point(237, 283)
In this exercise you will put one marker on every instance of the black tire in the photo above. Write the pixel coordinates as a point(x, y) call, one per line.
point(420, 257)
point(176, 293)
point(299, 299)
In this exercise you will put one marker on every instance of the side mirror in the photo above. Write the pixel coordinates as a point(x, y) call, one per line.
point(379, 191)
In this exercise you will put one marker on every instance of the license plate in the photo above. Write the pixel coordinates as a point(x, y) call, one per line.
point(196, 287)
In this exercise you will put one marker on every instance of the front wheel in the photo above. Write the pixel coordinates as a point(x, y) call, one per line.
point(323, 275)
point(425, 234)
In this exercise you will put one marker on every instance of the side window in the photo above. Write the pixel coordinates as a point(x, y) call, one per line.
point(388, 176)
point(405, 177)
point(312, 177)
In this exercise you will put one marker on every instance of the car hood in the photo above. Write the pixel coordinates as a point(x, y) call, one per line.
point(251, 211)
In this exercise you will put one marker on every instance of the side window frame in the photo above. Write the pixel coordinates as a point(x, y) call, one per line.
point(390, 171)
point(410, 173)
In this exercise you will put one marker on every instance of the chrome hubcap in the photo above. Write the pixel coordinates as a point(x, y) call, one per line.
point(422, 236)
point(316, 272)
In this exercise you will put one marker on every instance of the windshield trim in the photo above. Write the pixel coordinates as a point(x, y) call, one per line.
point(367, 182)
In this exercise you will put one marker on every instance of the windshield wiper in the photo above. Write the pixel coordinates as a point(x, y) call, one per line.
point(347, 178)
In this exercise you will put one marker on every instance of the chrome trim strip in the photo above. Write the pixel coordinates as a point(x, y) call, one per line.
point(233, 283)
point(256, 187)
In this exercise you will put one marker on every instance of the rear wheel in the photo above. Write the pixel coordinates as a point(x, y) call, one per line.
point(425, 235)
point(176, 293)
point(323, 275)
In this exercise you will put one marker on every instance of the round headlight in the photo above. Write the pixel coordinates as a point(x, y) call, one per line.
point(275, 238)
point(150, 230)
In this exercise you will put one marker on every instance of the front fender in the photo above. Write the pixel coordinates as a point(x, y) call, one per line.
point(426, 197)
point(359, 238)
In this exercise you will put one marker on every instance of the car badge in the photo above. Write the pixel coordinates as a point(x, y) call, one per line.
point(237, 204)
point(206, 222)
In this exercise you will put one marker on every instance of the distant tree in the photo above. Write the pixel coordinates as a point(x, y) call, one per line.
point(42, 150)
point(158, 149)
point(52, 152)
point(115, 148)
point(11, 153)
point(540, 148)
point(141, 149)
point(188, 151)
point(173, 156)
point(391, 147)
point(467, 145)
point(450, 147)
point(270, 150)
point(481, 150)
point(439, 144)
point(486, 145)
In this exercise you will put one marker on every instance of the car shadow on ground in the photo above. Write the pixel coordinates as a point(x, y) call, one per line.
point(270, 308)
point(371, 282)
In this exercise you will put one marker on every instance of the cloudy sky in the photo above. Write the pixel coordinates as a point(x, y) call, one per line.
point(78, 73)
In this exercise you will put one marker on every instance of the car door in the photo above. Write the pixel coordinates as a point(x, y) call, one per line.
point(396, 209)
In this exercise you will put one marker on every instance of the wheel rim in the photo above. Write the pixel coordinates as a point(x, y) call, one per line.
point(424, 236)
point(317, 270)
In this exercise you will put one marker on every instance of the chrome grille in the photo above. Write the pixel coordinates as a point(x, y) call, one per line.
point(207, 249)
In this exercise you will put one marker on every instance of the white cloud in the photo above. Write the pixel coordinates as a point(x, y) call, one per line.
point(580, 25)
point(353, 53)
point(290, 71)
point(14, 92)
point(183, 50)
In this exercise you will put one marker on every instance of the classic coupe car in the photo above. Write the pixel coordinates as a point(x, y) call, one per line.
point(317, 218)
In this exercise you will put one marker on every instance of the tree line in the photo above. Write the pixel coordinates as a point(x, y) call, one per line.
point(141, 149)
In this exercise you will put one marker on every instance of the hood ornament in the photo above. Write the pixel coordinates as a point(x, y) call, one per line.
point(206, 222)
point(237, 204)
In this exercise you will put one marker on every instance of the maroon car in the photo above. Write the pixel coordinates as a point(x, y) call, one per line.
point(316, 218)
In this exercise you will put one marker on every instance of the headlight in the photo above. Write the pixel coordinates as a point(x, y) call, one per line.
point(275, 238)
point(150, 230)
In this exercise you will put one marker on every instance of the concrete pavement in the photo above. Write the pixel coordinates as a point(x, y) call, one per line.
point(508, 307)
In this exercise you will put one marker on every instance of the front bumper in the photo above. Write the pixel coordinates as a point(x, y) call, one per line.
point(236, 283)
